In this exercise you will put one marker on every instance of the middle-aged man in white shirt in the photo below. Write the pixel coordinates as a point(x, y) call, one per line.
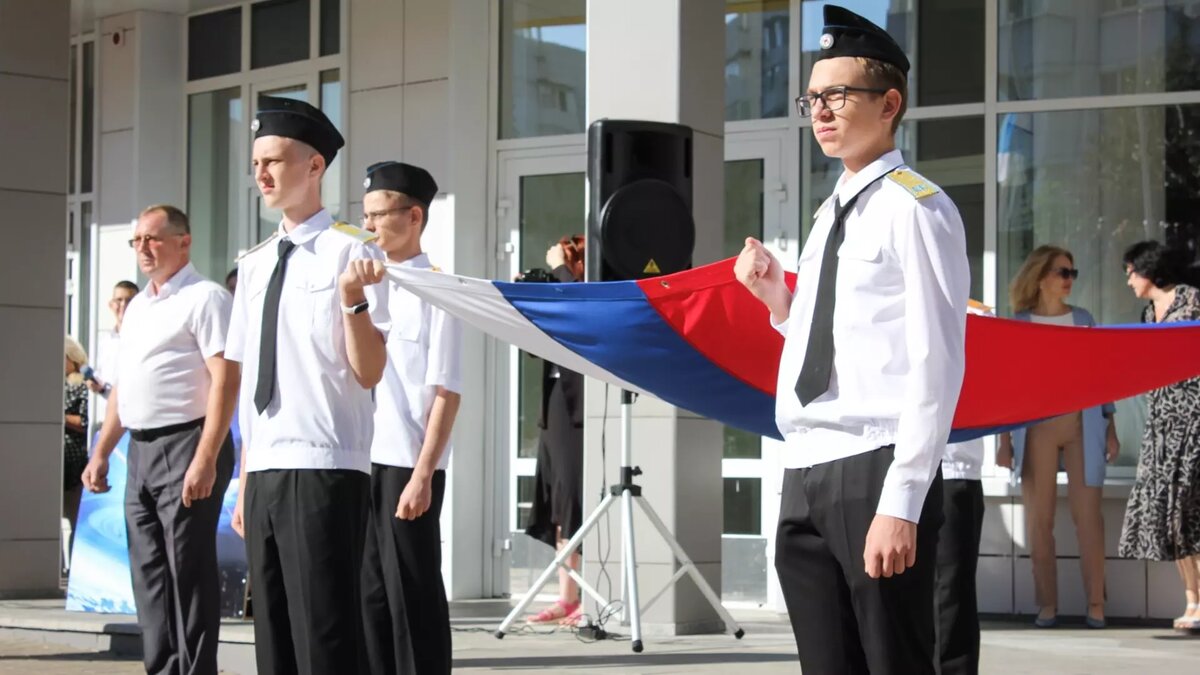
point(175, 393)
point(309, 323)
point(870, 373)
point(405, 613)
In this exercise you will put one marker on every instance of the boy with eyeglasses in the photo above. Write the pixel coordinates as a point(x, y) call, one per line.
point(870, 373)
point(405, 613)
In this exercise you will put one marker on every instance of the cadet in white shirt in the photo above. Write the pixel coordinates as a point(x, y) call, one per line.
point(175, 393)
point(870, 373)
point(405, 612)
point(309, 322)
point(958, 551)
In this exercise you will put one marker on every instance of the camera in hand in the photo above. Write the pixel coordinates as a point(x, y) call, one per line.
point(537, 275)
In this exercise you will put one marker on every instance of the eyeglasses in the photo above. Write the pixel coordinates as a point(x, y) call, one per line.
point(147, 239)
point(1065, 273)
point(833, 98)
point(379, 215)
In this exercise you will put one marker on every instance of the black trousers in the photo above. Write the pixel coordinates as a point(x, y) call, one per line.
point(957, 561)
point(173, 550)
point(405, 613)
point(844, 621)
point(304, 542)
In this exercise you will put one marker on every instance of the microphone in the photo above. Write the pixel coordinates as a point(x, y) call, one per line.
point(88, 373)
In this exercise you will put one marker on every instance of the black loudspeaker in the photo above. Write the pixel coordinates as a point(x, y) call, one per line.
point(639, 199)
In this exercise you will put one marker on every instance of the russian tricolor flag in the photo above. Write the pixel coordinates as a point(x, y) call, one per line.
point(698, 340)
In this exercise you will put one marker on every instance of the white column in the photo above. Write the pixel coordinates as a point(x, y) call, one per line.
point(34, 49)
point(662, 60)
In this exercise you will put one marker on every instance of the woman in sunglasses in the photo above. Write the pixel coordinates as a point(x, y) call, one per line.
point(1082, 442)
point(1162, 521)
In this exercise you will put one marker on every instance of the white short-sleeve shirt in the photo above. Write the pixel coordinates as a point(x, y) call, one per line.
point(165, 339)
point(319, 416)
point(424, 348)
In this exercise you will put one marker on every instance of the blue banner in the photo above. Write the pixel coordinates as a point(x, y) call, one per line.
point(100, 579)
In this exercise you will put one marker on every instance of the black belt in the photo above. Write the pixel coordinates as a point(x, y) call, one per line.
point(148, 435)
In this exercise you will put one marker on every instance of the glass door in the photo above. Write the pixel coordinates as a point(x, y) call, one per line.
point(755, 199)
point(540, 198)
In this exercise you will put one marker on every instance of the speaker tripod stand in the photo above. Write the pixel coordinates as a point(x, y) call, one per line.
point(628, 493)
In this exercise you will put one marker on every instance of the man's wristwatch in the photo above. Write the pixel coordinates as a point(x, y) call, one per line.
point(356, 309)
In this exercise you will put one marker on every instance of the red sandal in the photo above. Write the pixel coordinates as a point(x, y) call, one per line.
point(557, 612)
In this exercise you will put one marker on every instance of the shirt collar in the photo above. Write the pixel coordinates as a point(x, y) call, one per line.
point(419, 261)
point(309, 229)
point(172, 285)
point(847, 188)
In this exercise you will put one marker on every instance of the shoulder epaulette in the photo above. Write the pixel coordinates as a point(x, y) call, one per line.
point(357, 233)
point(435, 268)
point(914, 183)
point(257, 246)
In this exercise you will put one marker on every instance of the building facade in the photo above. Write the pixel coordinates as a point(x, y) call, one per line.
point(1047, 121)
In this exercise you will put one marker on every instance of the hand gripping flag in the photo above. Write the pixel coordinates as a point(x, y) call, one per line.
point(698, 340)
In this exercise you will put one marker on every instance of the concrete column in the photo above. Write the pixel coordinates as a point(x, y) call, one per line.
point(474, 567)
point(141, 157)
point(662, 61)
point(34, 50)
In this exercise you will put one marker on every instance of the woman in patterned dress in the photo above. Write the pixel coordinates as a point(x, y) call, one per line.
point(75, 415)
point(1162, 521)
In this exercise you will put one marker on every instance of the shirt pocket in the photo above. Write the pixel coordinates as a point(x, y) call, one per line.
point(860, 250)
point(322, 296)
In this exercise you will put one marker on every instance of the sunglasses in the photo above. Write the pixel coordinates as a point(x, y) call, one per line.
point(1065, 273)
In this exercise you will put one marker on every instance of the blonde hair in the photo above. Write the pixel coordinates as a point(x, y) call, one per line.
point(883, 75)
point(74, 352)
point(1025, 289)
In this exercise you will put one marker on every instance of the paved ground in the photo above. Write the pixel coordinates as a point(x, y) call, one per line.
point(767, 648)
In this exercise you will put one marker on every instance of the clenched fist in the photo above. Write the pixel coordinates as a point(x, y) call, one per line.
point(360, 273)
point(762, 274)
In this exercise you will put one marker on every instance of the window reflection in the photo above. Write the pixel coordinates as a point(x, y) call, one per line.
point(214, 132)
point(542, 67)
point(1095, 182)
point(756, 59)
point(1054, 50)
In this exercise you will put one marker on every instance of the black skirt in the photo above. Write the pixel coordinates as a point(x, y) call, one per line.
point(558, 497)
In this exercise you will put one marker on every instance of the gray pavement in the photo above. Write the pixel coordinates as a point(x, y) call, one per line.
point(1008, 647)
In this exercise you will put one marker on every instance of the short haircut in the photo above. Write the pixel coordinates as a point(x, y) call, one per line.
point(883, 75)
point(176, 218)
point(127, 285)
point(232, 274)
point(409, 200)
point(1154, 262)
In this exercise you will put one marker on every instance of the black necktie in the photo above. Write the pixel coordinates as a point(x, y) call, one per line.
point(818, 358)
point(265, 389)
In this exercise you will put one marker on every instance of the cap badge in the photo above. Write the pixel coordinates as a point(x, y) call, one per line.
point(367, 182)
point(255, 124)
point(826, 40)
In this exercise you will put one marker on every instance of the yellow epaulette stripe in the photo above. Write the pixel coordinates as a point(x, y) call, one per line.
point(914, 183)
point(356, 232)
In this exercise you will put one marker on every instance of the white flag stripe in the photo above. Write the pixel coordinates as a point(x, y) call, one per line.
point(479, 303)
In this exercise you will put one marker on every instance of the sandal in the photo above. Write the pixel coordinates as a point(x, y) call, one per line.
point(572, 619)
point(556, 612)
point(1187, 623)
